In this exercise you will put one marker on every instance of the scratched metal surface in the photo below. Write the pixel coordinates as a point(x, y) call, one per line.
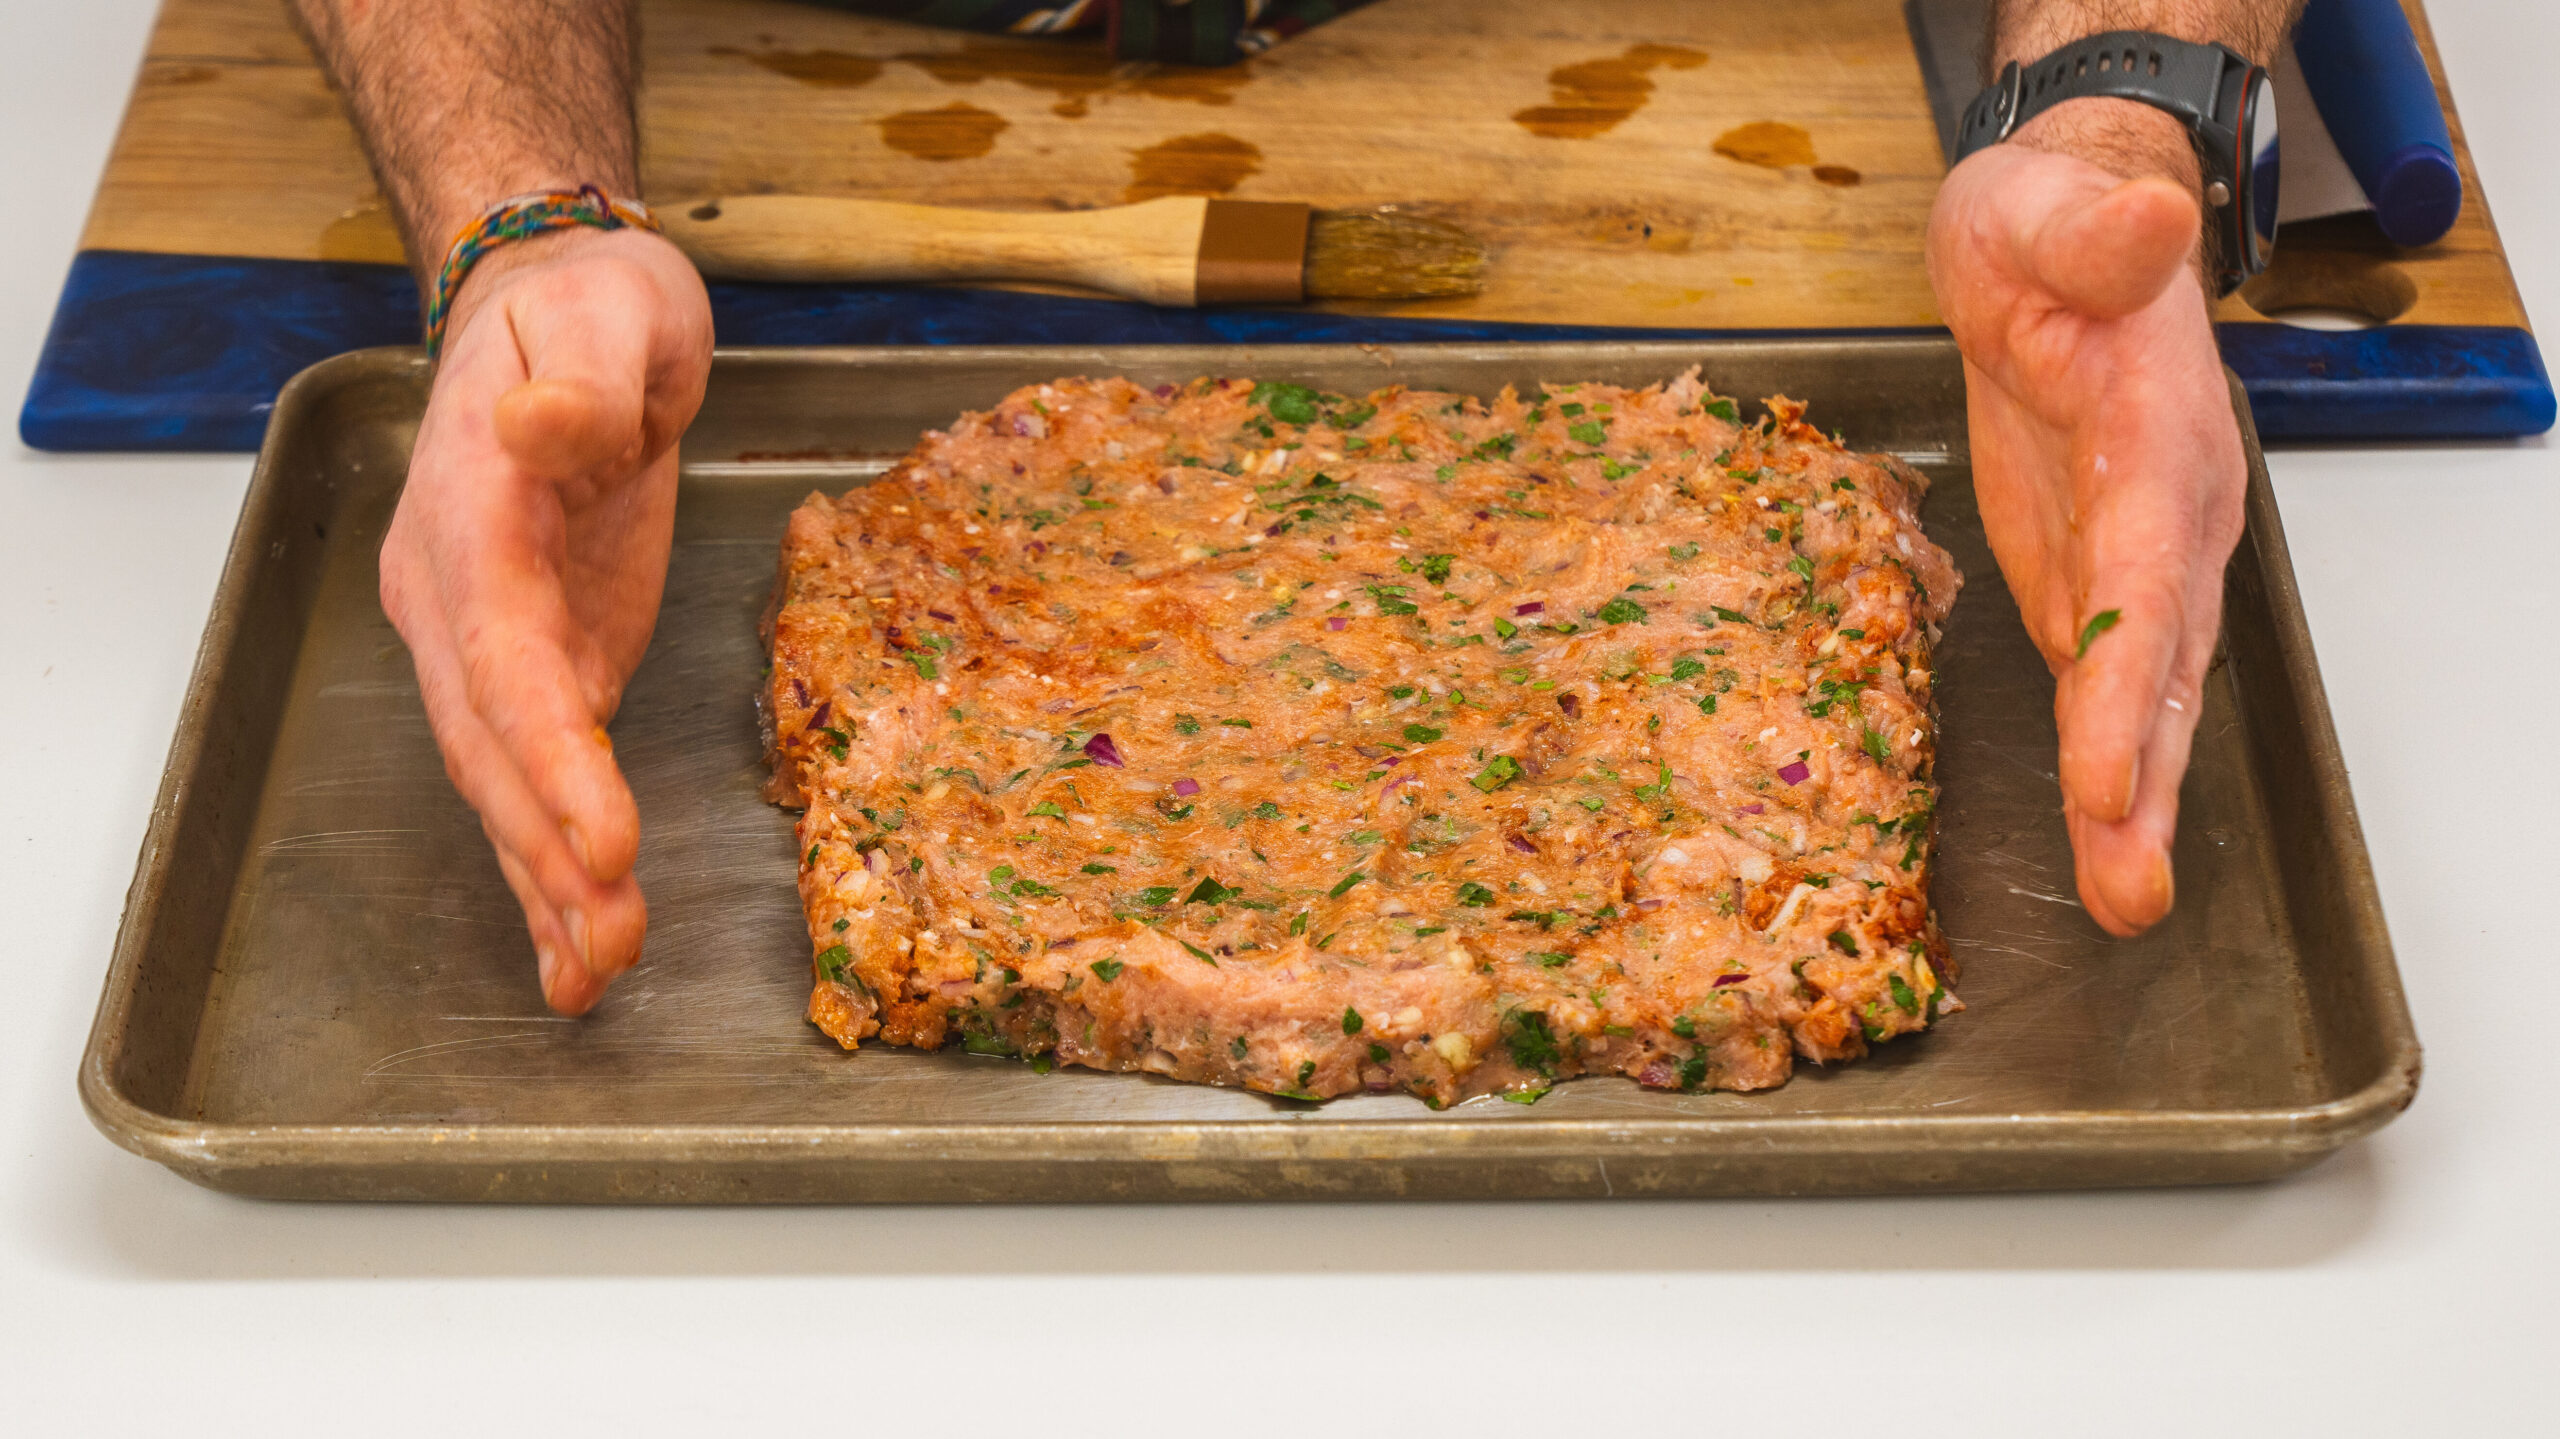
point(370, 970)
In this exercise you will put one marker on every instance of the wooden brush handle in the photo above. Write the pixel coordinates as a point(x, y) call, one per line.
point(1148, 251)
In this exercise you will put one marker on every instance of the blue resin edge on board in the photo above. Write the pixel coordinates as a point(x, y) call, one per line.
point(2392, 382)
point(187, 352)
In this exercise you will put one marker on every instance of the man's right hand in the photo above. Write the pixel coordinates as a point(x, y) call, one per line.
point(526, 560)
point(2110, 472)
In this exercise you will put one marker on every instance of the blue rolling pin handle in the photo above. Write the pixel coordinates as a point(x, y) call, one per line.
point(2361, 63)
point(2416, 194)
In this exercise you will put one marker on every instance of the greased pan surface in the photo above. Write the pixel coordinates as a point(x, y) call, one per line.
point(321, 989)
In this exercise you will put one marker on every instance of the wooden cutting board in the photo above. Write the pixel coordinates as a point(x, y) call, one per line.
point(1647, 164)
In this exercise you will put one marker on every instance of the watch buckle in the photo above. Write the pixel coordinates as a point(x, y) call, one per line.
point(2009, 94)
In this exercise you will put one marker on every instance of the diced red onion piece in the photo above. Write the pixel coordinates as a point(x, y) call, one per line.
point(1337, 622)
point(937, 614)
point(1796, 772)
point(1533, 607)
point(1651, 904)
point(1754, 807)
point(1186, 786)
point(818, 716)
point(1724, 979)
point(1520, 844)
point(1101, 750)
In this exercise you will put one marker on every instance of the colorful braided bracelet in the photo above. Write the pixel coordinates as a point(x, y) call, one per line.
point(514, 219)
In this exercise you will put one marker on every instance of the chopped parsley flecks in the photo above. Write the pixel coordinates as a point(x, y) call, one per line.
point(2099, 623)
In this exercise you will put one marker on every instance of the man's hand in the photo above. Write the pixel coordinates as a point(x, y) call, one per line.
point(2110, 474)
point(525, 563)
point(526, 559)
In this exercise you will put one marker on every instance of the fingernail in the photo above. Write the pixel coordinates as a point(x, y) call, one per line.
point(2133, 782)
point(575, 921)
point(577, 839)
point(546, 964)
point(2164, 881)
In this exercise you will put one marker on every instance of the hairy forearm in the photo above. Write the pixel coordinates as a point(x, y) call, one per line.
point(463, 103)
point(2124, 136)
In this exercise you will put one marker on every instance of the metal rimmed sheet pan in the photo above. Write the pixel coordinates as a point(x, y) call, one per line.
point(321, 988)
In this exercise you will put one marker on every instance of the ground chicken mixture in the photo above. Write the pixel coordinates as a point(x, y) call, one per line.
point(1253, 735)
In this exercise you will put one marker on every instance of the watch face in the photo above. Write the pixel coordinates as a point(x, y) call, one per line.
point(2258, 171)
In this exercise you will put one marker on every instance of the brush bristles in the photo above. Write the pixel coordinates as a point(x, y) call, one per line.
point(1384, 255)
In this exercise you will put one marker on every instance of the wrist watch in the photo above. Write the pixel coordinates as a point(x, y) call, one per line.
point(2227, 104)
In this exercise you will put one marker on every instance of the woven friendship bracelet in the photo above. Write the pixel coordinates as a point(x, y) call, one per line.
point(514, 219)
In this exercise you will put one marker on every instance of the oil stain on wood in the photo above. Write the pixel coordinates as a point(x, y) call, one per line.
point(1775, 145)
point(1077, 74)
point(955, 132)
point(1596, 96)
point(1205, 164)
point(827, 69)
point(1768, 144)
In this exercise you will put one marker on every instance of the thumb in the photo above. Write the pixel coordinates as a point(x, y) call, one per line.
point(2103, 250)
point(585, 347)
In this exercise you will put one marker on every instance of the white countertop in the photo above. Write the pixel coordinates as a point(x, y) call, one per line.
point(2403, 1287)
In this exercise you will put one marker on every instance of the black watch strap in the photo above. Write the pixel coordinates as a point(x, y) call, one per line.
point(2177, 76)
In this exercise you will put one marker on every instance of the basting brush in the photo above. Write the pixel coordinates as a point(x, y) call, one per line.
point(1178, 250)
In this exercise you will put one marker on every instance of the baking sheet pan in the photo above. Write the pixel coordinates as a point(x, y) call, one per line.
point(321, 988)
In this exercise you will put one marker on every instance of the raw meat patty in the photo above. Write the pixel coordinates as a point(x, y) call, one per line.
point(1252, 735)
